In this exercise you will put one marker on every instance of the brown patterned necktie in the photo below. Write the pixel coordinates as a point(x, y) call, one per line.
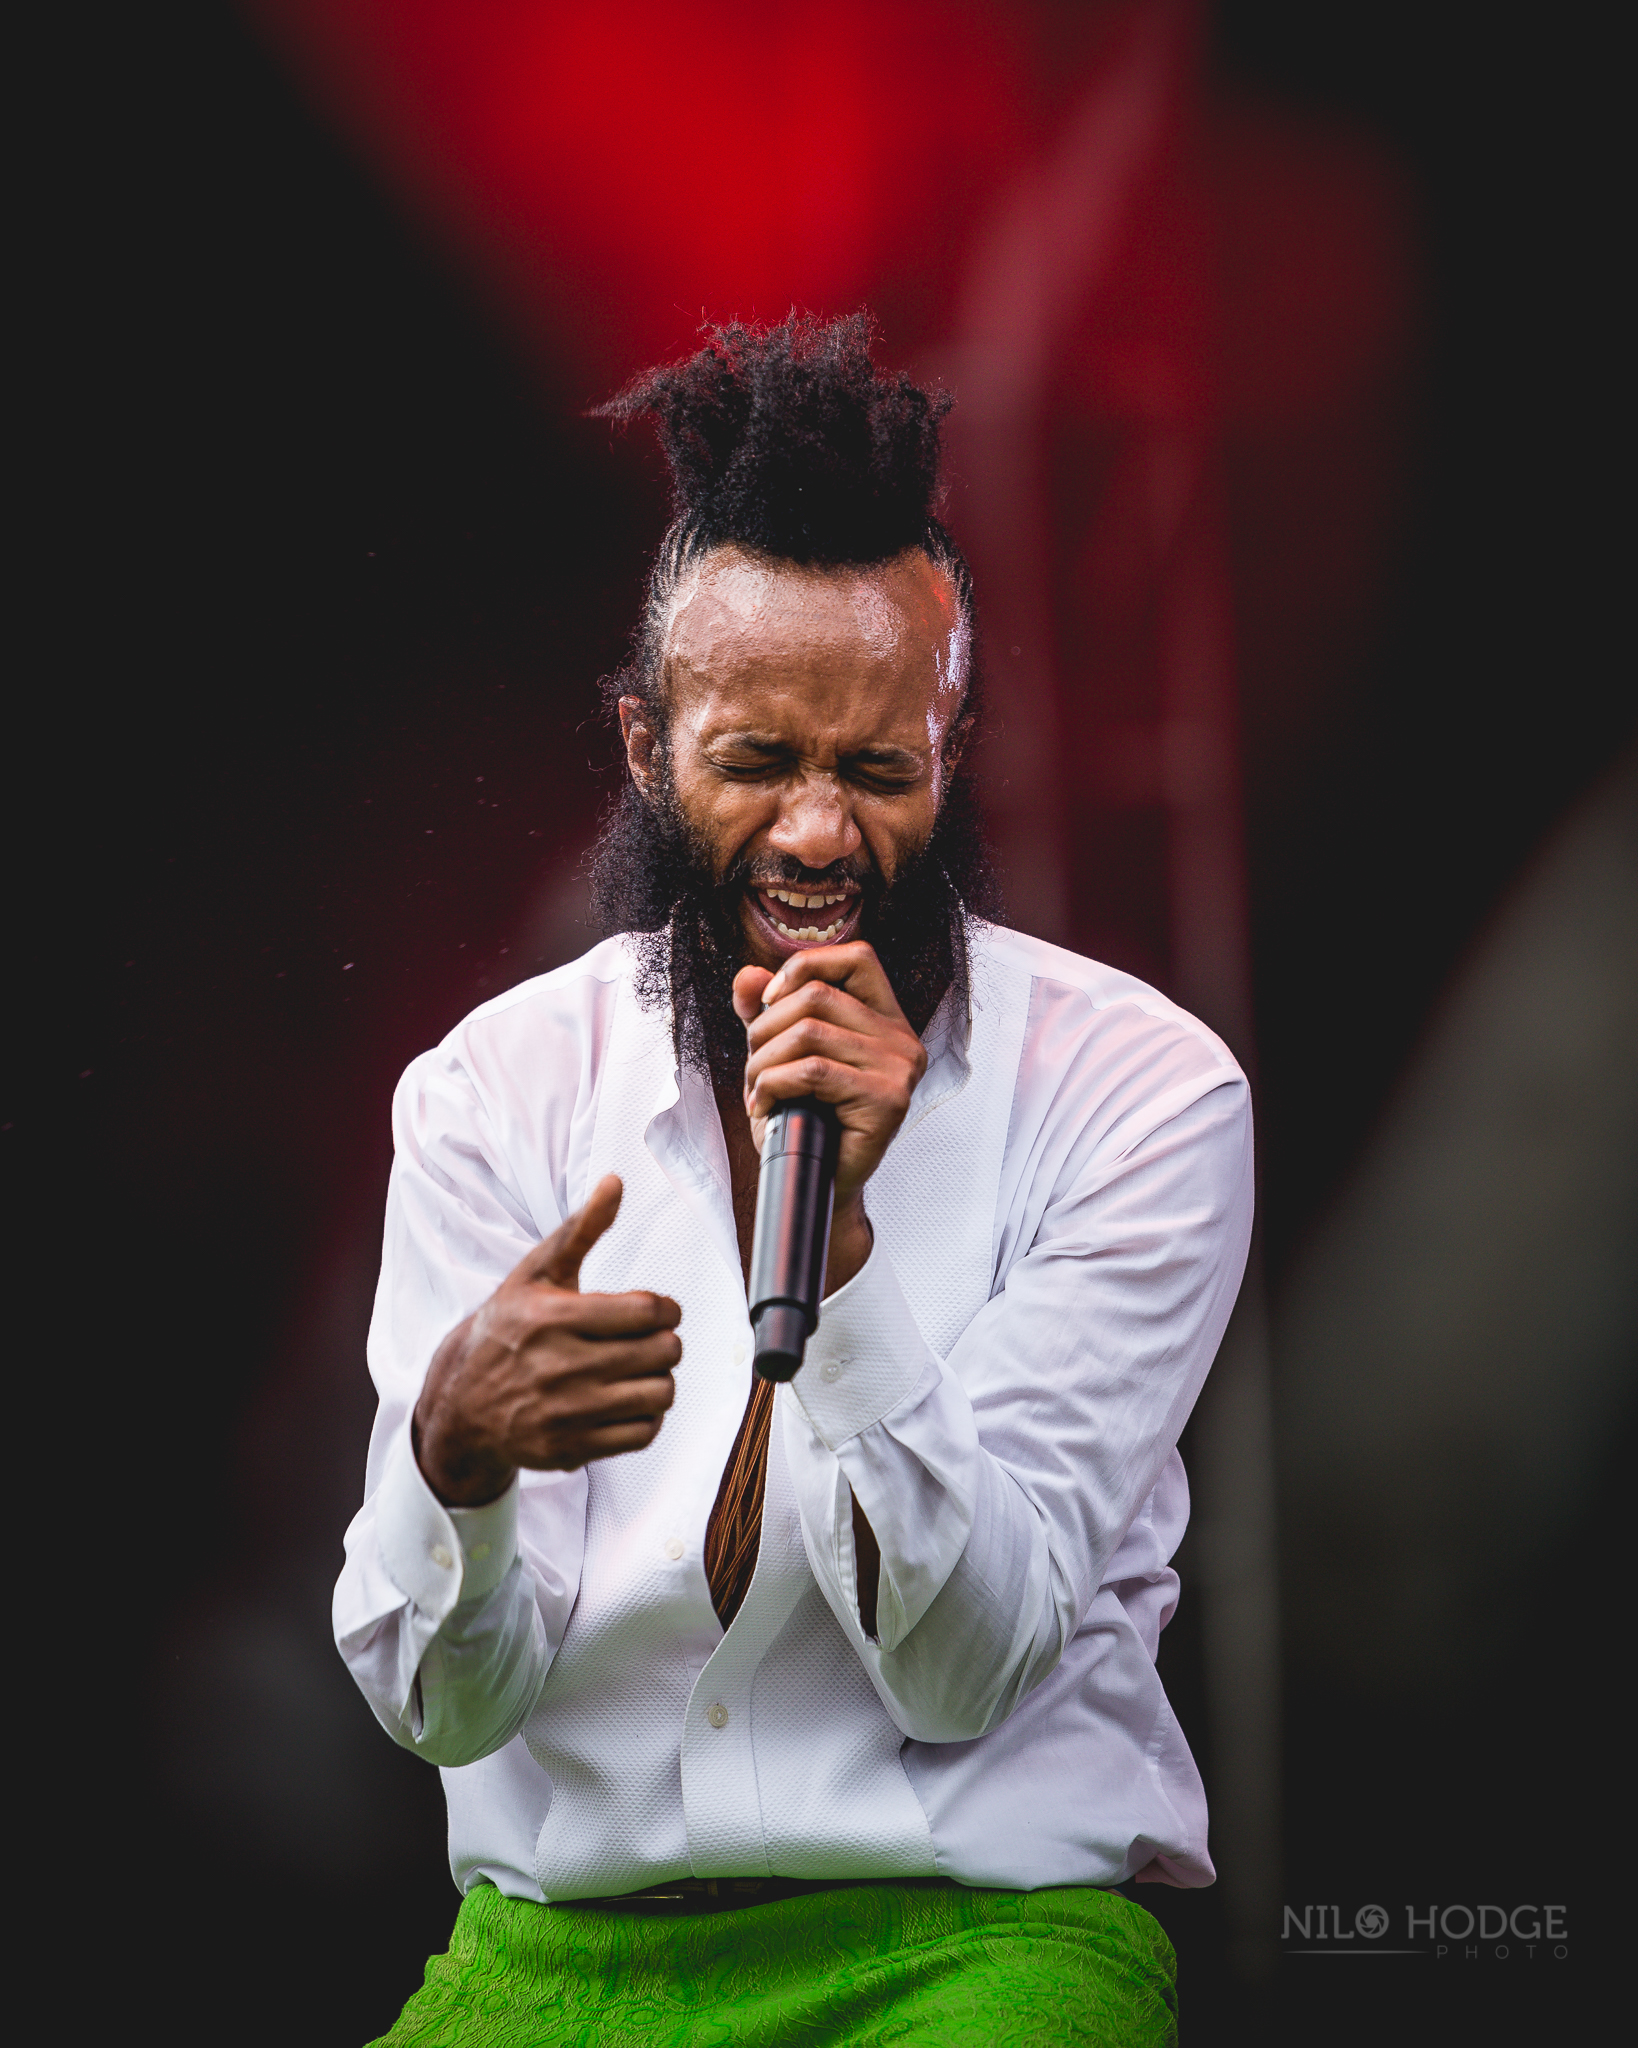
point(735, 1528)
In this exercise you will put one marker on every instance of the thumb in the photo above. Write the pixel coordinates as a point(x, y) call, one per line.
point(557, 1258)
point(749, 983)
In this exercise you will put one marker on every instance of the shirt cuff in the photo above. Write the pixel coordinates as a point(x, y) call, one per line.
point(437, 1556)
point(865, 1357)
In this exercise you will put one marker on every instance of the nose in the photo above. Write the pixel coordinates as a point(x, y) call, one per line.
point(815, 825)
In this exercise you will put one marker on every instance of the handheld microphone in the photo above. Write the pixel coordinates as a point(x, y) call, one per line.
point(795, 1194)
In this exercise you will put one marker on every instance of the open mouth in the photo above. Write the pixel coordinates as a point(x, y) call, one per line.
point(807, 917)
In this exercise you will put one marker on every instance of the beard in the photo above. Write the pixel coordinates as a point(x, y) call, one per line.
point(652, 877)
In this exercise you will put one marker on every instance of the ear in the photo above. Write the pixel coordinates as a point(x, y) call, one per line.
point(955, 742)
point(641, 742)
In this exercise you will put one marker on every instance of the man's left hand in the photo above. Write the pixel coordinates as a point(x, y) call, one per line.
point(828, 1024)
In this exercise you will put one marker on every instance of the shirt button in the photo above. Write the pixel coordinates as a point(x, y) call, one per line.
point(717, 1715)
point(831, 1369)
point(673, 1546)
point(441, 1557)
point(739, 1354)
point(478, 1552)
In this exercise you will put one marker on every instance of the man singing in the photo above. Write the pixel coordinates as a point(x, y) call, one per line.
point(826, 1713)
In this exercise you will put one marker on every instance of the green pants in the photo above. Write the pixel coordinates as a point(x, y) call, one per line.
point(869, 1963)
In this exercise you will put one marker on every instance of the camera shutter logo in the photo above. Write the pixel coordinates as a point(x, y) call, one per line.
point(1372, 1922)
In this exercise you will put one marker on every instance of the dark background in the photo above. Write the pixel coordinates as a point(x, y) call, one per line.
point(329, 568)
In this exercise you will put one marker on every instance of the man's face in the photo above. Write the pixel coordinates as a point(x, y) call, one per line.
point(809, 712)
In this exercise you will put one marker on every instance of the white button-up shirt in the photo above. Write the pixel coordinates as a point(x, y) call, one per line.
point(1060, 1229)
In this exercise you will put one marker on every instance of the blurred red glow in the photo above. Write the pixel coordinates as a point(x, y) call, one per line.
point(622, 170)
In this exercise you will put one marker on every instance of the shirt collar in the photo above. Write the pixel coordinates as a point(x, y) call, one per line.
point(948, 1043)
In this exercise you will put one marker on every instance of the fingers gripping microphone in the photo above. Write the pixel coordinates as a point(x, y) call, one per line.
point(795, 1194)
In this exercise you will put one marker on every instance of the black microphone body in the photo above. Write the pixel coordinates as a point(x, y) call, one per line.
point(795, 1195)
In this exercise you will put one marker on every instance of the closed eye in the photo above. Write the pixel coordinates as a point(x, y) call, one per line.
point(751, 764)
point(887, 769)
point(890, 772)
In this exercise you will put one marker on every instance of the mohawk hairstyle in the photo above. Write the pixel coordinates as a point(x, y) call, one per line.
point(789, 441)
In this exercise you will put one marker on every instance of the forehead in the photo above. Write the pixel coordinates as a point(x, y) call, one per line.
point(878, 651)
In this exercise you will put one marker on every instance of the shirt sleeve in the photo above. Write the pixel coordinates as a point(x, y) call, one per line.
point(1001, 1480)
point(448, 1618)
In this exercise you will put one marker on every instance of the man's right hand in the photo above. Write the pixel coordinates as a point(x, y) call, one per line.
point(545, 1376)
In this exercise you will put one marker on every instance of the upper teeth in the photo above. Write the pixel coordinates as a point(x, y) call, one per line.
point(800, 902)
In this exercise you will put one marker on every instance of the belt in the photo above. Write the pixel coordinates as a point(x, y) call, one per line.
point(730, 1894)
